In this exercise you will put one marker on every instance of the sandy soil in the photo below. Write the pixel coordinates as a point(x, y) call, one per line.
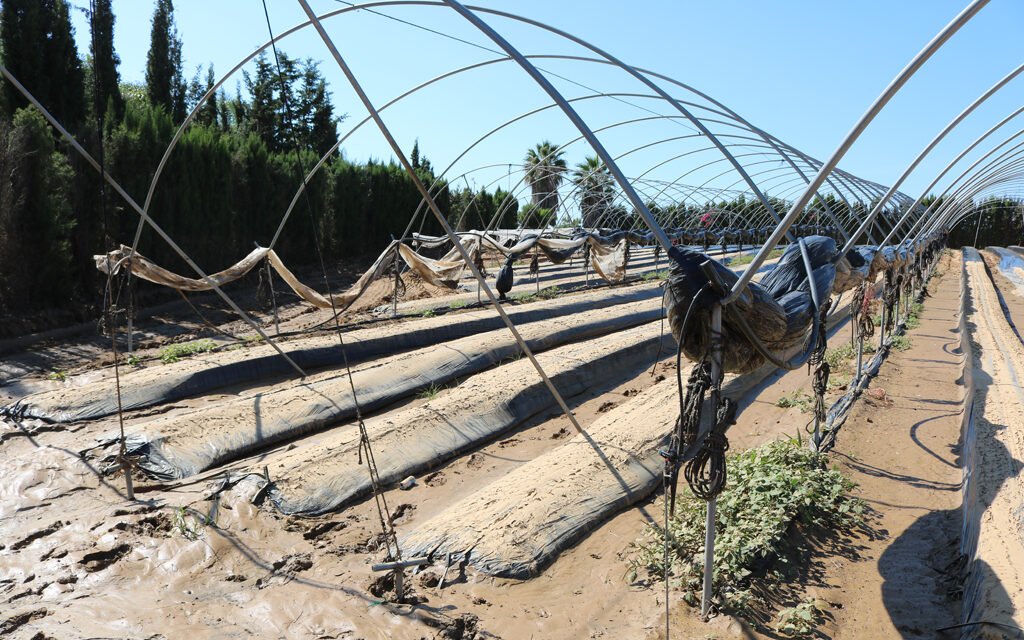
point(210, 559)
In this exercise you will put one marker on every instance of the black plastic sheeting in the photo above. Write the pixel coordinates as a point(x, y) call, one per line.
point(779, 310)
point(328, 402)
point(89, 404)
point(467, 428)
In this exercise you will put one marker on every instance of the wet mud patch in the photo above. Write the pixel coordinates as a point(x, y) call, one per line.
point(100, 560)
point(12, 624)
point(36, 535)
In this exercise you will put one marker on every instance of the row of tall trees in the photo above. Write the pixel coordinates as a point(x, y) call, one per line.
point(226, 186)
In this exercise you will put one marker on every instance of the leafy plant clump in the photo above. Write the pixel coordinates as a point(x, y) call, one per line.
point(900, 343)
point(777, 495)
point(175, 352)
point(798, 399)
point(547, 293)
point(801, 621)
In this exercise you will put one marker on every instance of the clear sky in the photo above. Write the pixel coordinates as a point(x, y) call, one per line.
point(802, 70)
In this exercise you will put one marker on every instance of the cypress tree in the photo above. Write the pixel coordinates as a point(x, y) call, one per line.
point(104, 62)
point(39, 49)
point(165, 84)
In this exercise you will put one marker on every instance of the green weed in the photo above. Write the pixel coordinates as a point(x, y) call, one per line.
point(802, 620)
point(58, 375)
point(175, 352)
point(900, 343)
point(798, 399)
point(430, 392)
point(650, 276)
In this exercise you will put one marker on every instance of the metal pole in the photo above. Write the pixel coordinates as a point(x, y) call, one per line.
point(710, 412)
point(273, 299)
point(851, 137)
point(931, 145)
point(386, 132)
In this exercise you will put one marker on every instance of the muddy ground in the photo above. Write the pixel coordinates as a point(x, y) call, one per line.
point(206, 558)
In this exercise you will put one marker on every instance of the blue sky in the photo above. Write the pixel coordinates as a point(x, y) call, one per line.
point(804, 71)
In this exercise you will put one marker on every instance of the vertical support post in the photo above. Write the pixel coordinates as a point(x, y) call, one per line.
point(130, 310)
point(399, 584)
point(394, 296)
point(129, 485)
point(710, 413)
point(885, 312)
point(860, 357)
point(273, 299)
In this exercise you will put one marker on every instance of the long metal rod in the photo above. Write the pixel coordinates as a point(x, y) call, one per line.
point(368, 104)
point(942, 174)
point(711, 411)
point(894, 87)
point(540, 79)
point(145, 217)
point(928, 148)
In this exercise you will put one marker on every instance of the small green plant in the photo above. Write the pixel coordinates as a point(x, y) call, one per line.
point(900, 343)
point(546, 293)
point(802, 620)
point(458, 304)
point(58, 375)
point(837, 381)
point(428, 313)
point(838, 356)
point(914, 317)
point(175, 352)
point(798, 399)
point(650, 276)
point(430, 392)
point(188, 524)
point(133, 360)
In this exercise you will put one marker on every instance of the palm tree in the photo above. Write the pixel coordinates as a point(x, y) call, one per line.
point(596, 189)
point(544, 167)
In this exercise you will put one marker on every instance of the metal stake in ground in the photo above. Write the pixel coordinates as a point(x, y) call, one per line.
point(711, 413)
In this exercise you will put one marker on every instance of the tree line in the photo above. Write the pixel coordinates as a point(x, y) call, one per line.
point(226, 185)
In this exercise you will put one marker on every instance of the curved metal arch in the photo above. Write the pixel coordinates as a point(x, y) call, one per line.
point(1007, 162)
point(206, 96)
point(931, 145)
point(979, 210)
point(925, 216)
point(596, 144)
point(945, 170)
point(944, 206)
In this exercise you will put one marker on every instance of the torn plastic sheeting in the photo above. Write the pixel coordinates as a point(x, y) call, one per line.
point(779, 309)
point(182, 380)
point(518, 525)
point(326, 476)
point(1011, 265)
point(177, 446)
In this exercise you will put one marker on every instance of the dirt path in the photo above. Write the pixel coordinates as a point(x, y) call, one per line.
point(900, 444)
